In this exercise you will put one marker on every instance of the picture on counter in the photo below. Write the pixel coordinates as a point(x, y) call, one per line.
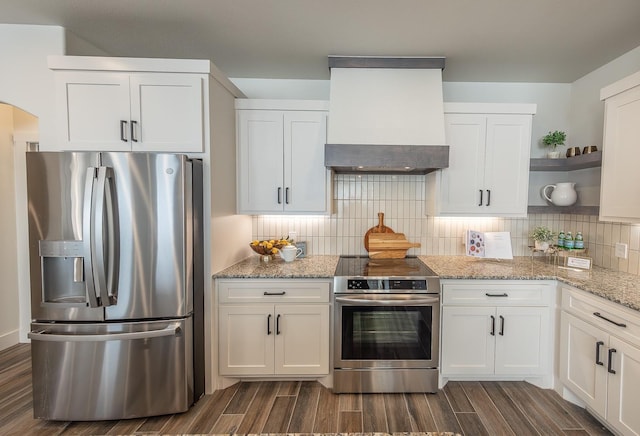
point(493, 245)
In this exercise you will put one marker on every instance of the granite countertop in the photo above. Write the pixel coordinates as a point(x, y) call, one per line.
point(316, 267)
point(619, 287)
point(622, 288)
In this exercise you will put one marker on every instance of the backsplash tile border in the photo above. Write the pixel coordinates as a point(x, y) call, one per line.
point(358, 199)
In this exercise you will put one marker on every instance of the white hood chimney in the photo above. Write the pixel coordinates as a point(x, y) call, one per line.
point(386, 115)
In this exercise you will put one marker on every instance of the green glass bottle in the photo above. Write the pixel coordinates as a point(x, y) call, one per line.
point(568, 241)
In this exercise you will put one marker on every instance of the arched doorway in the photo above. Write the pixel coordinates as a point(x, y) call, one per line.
point(17, 130)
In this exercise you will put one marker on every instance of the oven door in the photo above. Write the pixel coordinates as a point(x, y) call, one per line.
point(386, 331)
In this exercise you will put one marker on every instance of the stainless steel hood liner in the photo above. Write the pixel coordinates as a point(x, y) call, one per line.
point(386, 115)
point(385, 159)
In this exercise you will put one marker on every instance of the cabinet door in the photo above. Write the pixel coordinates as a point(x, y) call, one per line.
point(167, 112)
point(260, 161)
point(246, 343)
point(305, 176)
point(620, 182)
point(582, 370)
point(461, 183)
point(522, 340)
point(506, 172)
point(624, 387)
point(302, 339)
point(94, 111)
point(468, 347)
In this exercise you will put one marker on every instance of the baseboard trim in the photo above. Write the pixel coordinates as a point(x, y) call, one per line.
point(9, 339)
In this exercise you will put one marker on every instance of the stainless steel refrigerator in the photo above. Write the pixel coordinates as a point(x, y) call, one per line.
point(117, 280)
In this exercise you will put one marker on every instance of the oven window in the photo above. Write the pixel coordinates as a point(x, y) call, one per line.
point(386, 333)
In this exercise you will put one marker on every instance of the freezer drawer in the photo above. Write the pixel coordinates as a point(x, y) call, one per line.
point(86, 372)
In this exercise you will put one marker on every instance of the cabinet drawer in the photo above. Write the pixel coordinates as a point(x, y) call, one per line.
point(621, 321)
point(491, 293)
point(273, 291)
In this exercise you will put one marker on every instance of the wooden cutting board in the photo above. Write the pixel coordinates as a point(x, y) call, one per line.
point(380, 228)
point(389, 245)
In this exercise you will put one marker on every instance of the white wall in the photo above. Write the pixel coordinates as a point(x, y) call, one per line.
point(586, 109)
point(284, 89)
point(9, 318)
point(75, 46)
point(25, 79)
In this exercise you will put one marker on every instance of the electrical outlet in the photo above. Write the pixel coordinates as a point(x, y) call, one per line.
point(293, 234)
point(622, 250)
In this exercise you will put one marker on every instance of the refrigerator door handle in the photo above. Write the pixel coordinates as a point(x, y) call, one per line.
point(100, 272)
point(170, 330)
point(113, 237)
point(87, 227)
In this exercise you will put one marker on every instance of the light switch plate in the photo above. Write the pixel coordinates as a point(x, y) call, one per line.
point(622, 250)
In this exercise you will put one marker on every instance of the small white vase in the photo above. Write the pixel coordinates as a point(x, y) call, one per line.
point(541, 245)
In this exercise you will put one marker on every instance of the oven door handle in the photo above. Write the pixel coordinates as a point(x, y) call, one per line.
point(388, 302)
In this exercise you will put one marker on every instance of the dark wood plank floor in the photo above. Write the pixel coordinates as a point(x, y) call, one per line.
point(467, 408)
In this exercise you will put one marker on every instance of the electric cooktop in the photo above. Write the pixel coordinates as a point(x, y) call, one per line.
point(363, 266)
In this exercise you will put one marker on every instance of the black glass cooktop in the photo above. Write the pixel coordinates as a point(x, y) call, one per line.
point(363, 266)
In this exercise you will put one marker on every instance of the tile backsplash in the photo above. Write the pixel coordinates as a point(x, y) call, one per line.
point(358, 199)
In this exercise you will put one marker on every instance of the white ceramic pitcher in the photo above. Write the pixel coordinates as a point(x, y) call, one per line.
point(562, 194)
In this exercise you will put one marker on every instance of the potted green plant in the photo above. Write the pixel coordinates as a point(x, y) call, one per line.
point(542, 237)
point(552, 140)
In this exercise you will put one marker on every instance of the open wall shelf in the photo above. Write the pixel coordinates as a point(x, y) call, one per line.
point(575, 210)
point(589, 160)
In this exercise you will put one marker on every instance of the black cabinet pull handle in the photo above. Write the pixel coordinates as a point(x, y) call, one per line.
point(504, 294)
point(133, 131)
point(493, 325)
point(123, 130)
point(619, 324)
point(269, 324)
point(598, 345)
point(278, 324)
point(480, 204)
point(286, 195)
point(610, 361)
point(488, 197)
point(274, 293)
point(501, 326)
point(279, 195)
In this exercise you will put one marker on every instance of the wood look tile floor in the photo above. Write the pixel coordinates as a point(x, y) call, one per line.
point(467, 408)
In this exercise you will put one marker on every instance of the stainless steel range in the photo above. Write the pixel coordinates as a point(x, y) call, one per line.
point(386, 325)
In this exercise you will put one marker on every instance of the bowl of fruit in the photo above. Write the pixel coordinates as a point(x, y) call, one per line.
point(268, 248)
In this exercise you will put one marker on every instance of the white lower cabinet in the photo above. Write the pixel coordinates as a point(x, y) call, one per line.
point(273, 327)
point(600, 358)
point(496, 329)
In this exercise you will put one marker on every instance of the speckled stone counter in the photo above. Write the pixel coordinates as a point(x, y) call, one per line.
point(317, 267)
point(622, 288)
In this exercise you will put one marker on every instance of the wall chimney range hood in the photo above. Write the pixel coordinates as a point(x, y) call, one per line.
point(386, 115)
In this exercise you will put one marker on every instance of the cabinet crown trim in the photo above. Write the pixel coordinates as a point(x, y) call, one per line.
point(142, 65)
point(621, 85)
point(490, 108)
point(273, 104)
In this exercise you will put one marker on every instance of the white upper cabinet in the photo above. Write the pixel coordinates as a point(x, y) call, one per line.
point(620, 183)
point(127, 110)
point(281, 157)
point(488, 173)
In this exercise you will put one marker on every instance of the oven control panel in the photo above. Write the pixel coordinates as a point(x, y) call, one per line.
point(387, 284)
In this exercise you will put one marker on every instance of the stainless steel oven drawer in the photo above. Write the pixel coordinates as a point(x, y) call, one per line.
point(385, 380)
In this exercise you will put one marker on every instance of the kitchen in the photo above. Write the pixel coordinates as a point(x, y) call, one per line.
point(342, 232)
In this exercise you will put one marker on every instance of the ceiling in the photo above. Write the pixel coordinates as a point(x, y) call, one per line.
point(489, 40)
